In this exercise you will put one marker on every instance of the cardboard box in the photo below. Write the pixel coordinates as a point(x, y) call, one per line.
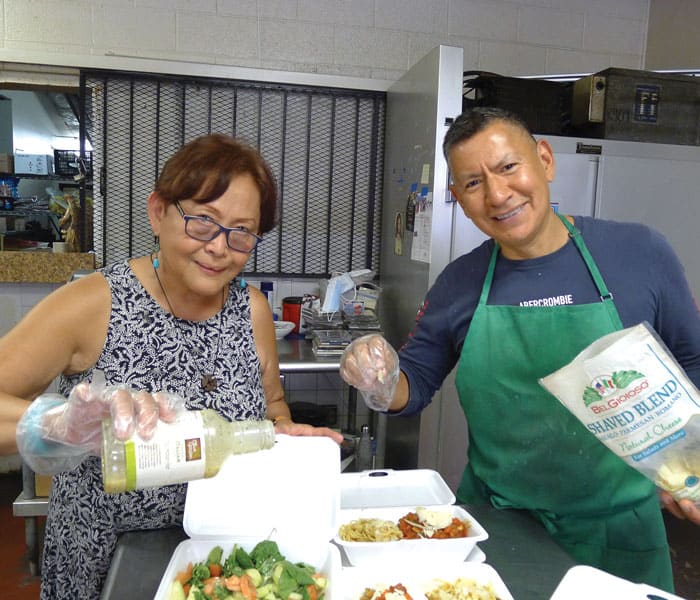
point(7, 163)
point(42, 485)
point(34, 164)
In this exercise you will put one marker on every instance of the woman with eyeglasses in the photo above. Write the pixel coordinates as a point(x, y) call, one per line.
point(179, 320)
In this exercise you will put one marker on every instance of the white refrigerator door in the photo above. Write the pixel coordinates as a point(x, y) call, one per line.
point(655, 184)
point(573, 190)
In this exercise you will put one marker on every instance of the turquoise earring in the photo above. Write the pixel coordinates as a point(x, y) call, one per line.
point(243, 283)
point(156, 250)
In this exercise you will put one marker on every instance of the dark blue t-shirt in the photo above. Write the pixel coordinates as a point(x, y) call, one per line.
point(637, 264)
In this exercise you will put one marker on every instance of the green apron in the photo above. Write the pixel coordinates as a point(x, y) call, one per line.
point(528, 451)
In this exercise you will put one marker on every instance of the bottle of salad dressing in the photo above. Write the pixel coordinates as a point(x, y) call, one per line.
point(194, 446)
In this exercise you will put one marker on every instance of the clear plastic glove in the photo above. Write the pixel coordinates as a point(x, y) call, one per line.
point(56, 434)
point(371, 365)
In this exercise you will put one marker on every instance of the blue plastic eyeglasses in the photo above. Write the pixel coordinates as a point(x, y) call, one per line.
point(204, 229)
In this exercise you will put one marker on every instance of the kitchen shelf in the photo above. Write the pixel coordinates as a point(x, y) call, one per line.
point(36, 176)
point(63, 180)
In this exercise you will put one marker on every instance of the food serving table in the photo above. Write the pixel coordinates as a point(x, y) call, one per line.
point(530, 563)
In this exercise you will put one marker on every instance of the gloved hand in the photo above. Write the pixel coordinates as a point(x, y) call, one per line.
point(56, 434)
point(370, 364)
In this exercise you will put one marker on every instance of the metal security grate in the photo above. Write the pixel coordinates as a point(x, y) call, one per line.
point(324, 145)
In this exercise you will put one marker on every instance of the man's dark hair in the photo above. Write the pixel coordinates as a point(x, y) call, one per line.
point(473, 121)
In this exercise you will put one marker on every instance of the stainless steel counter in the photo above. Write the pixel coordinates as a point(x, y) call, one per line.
point(296, 355)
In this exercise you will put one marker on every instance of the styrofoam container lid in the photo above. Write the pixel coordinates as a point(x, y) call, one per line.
point(387, 487)
point(289, 492)
point(583, 583)
point(417, 581)
point(417, 551)
point(194, 551)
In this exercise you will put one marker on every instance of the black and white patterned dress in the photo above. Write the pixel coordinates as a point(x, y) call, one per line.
point(149, 349)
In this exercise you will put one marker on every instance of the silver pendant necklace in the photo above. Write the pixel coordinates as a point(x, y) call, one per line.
point(208, 381)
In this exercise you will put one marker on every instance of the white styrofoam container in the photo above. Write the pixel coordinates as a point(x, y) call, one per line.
point(386, 494)
point(418, 551)
point(418, 581)
point(289, 494)
point(387, 487)
point(583, 583)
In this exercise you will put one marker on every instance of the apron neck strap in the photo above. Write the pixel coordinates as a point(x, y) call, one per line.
point(605, 295)
point(576, 236)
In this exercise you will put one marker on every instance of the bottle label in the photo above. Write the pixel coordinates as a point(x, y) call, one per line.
point(175, 454)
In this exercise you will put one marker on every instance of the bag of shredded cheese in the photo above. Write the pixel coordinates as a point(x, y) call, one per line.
point(629, 391)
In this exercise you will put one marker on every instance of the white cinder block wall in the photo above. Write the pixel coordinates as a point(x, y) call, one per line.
point(377, 39)
point(364, 39)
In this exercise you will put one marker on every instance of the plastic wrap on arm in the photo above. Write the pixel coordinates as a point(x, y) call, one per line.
point(55, 434)
point(371, 365)
point(45, 456)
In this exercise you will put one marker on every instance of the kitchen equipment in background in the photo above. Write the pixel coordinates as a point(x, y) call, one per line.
point(35, 164)
point(330, 342)
point(291, 311)
point(640, 106)
point(550, 114)
point(268, 289)
point(318, 415)
point(283, 329)
point(364, 450)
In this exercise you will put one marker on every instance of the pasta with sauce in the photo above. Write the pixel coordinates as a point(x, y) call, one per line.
point(370, 530)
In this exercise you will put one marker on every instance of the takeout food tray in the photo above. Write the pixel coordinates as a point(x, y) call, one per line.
point(389, 495)
point(195, 551)
point(354, 580)
point(583, 583)
point(420, 551)
point(288, 494)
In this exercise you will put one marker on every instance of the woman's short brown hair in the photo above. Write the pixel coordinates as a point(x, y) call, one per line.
point(203, 169)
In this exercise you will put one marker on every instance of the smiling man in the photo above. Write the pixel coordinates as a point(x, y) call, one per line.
point(518, 307)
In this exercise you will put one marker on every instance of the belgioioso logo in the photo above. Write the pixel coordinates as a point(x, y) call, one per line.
point(608, 387)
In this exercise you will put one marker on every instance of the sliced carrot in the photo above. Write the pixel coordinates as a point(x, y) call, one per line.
point(215, 570)
point(248, 587)
point(233, 583)
point(184, 576)
point(313, 591)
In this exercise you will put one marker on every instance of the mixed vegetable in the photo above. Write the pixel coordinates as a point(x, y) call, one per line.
point(262, 574)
